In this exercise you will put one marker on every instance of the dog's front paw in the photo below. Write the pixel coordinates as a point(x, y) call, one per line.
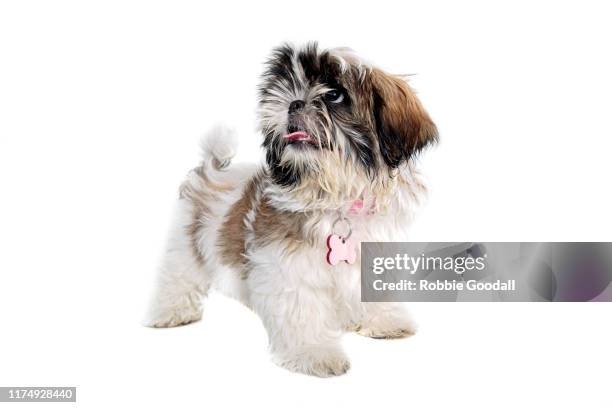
point(320, 361)
point(177, 314)
point(388, 326)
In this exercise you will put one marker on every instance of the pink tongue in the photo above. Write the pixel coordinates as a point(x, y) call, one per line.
point(300, 135)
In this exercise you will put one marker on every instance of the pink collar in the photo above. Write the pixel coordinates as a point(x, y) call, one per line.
point(358, 207)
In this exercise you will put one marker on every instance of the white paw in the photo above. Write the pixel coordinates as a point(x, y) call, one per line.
point(320, 361)
point(388, 326)
point(178, 314)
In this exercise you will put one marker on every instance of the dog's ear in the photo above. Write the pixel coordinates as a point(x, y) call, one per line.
point(402, 124)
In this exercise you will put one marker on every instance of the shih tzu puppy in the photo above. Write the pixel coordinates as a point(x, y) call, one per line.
point(340, 136)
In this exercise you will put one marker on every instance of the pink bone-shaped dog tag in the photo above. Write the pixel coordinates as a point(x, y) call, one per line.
point(340, 249)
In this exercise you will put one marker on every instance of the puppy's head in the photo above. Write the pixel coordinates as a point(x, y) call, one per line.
point(320, 109)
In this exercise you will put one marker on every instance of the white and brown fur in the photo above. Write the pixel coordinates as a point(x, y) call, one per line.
point(258, 233)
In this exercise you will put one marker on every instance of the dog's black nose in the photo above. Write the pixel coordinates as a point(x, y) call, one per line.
point(296, 106)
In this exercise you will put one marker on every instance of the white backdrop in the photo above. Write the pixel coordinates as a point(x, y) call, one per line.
point(101, 108)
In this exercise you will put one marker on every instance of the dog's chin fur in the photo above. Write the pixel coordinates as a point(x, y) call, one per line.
point(258, 233)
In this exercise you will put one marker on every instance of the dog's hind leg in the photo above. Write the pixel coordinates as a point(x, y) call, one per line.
point(182, 281)
point(183, 277)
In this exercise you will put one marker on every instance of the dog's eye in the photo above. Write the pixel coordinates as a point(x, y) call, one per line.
point(334, 96)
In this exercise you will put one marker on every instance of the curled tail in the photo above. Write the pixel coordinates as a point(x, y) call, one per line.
point(219, 146)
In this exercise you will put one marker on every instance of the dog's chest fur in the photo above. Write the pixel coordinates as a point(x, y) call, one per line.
point(256, 226)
